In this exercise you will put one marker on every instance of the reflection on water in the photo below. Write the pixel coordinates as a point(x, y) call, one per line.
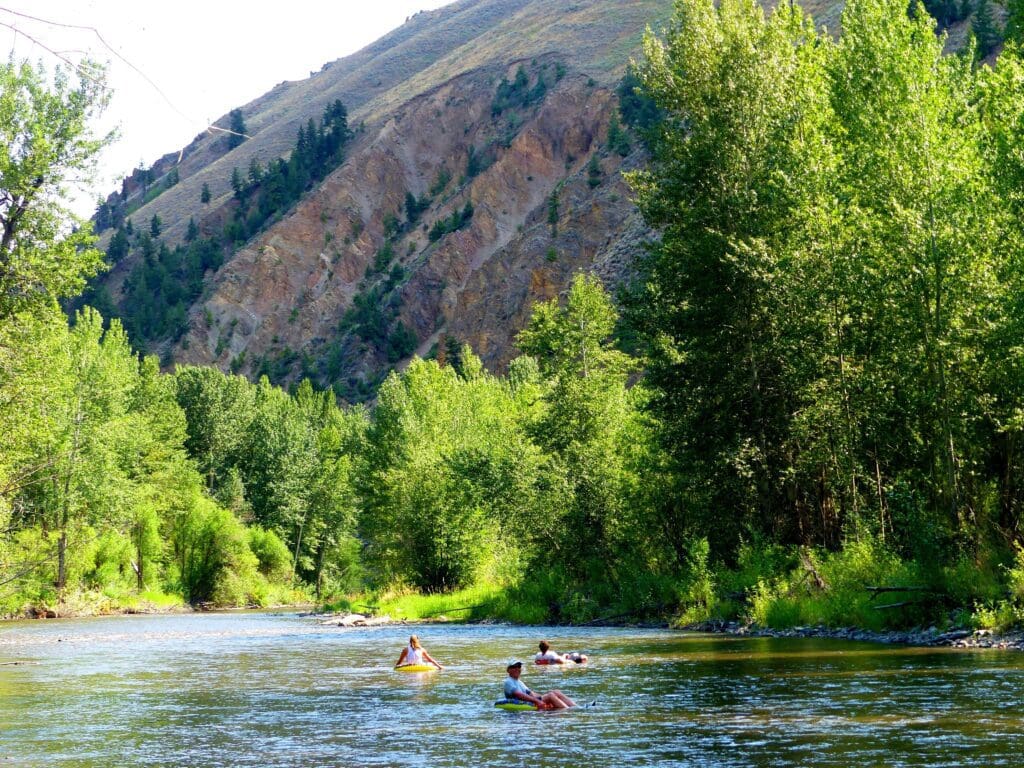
point(280, 690)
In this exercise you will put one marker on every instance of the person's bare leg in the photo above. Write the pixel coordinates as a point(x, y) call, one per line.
point(553, 702)
point(565, 700)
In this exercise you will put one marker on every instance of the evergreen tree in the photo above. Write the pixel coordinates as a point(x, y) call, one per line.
point(236, 124)
point(985, 29)
point(118, 247)
point(594, 172)
point(204, 196)
point(1015, 21)
point(618, 141)
point(255, 172)
point(553, 212)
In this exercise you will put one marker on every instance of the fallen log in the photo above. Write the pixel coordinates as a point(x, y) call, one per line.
point(905, 588)
point(451, 610)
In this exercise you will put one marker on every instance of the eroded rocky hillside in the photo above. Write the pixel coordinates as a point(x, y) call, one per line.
point(478, 179)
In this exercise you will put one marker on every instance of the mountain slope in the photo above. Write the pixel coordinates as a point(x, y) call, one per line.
point(492, 117)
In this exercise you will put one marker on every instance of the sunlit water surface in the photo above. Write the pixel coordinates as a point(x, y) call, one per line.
point(280, 690)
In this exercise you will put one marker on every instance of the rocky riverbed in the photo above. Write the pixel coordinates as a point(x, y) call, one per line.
point(931, 636)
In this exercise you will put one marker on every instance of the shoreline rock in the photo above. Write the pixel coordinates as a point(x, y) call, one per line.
point(930, 637)
point(356, 620)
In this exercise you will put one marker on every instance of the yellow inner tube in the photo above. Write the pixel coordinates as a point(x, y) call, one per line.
point(416, 668)
point(516, 706)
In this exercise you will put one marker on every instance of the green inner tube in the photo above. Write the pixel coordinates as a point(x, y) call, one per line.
point(515, 706)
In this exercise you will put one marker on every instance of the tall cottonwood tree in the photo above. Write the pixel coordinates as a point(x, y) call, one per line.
point(585, 413)
point(45, 253)
point(734, 158)
point(921, 236)
point(833, 258)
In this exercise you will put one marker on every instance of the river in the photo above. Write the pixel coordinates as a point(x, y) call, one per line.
point(258, 689)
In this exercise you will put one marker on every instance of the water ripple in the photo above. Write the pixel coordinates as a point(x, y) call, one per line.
point(281, 690)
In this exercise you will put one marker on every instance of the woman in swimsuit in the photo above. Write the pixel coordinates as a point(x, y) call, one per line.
point(414, 653)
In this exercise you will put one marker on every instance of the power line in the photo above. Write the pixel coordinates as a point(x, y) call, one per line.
point(209, 126)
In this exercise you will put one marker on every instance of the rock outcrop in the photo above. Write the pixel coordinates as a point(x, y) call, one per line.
point(342, 287)
point(541, 211)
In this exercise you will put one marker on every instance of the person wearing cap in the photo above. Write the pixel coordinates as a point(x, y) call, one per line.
point(548, 656)
point(414, 653)
point(515, 689)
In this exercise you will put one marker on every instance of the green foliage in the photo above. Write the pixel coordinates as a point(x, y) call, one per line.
point(448, 471)
point(1014, 30)
point(414, 207)
point(402, 342)
point(476, 162)
point(162, 286)
point(795, 598)
point(46, 254)
point(585, 424)
point(118, 247)
point(452, 605)
point(275, 561)
point(213, 557)
point(947, 12)
point(764, 304)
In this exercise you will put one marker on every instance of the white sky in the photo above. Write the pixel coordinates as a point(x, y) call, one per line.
point(206, 57)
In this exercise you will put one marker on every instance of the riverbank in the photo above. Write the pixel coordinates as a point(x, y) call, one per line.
point(921, 637)
point(925, 637)
point(145, 608)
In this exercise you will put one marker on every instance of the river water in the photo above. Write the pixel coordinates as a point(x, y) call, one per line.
point(249, 689)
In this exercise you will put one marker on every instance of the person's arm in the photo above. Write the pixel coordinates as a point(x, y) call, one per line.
point(401, 657)
point(429, 658)
point(528, 696)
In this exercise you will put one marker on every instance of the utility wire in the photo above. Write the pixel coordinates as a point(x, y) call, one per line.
point(209, 126)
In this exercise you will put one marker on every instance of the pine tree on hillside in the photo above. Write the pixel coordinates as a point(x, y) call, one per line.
point(1014, 31)
point(237, 128)
point(985, 29)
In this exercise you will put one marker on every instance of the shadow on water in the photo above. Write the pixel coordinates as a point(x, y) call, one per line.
point(280, 690)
